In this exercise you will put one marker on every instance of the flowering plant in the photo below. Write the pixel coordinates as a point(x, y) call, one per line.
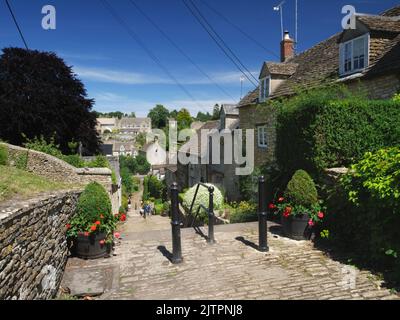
point(93, 214)
point(300, 198)
point(287, 209)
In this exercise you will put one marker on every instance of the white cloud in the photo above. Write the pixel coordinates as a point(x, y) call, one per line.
point(136, 78)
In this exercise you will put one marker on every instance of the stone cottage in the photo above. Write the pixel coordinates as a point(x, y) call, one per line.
point(365, 58)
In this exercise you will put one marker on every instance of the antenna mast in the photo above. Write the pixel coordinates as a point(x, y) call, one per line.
point(279, 8)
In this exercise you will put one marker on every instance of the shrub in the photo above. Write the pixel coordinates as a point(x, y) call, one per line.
point(74, 160)
point(368, 223)
point(3, 155)
point(245, 212)
point(158, 208)
point(93, 213)
point(202, 199)
point(126, 180)
point(301, 190)
point(153, 188)
point(99, 161)
point(329, 127)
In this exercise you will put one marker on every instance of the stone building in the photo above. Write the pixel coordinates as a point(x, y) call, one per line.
point(126, 126)
point(366, 58)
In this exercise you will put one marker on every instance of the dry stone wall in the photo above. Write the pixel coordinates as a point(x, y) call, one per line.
point(33, 245)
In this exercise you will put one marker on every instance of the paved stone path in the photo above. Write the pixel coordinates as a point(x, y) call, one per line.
point(230, 269)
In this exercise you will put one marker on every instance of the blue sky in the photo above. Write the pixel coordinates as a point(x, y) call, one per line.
point(118, 73)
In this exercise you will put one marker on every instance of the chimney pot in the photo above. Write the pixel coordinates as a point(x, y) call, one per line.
point(287, 47)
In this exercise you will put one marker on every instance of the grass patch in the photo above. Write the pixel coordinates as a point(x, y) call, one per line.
point(16, 182)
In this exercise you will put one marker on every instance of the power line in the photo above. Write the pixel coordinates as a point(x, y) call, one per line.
point(16, 24)
point(218, 40)
point(222, 40)
point(173, 43)
point(258, 43)
point(135, 37)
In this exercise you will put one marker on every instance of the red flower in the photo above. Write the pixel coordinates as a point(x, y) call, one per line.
point(281, 199)
point(123, 217)
point(117, 235)
point(68, 226)
point(97, 223)
point(102, 242)
point(86, 234)
point(272, 206)
point(321, 215)
point(288, 210)
point(93, 227)
point(286, 214)
point(311, 223)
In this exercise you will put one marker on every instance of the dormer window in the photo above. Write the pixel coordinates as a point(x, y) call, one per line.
point(265, 85)
point(354, 55)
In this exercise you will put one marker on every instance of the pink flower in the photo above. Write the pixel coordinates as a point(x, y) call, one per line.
point(320, 215)
point(102, 242)
point(117, 235)
point(281, 199)
point(86, 234)
point(311, 223)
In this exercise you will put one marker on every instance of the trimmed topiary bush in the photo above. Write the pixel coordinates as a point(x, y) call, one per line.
point(93, 214)
point(301, 190)
point(3, 155)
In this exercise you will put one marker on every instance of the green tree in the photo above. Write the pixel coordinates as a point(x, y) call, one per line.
point(173, 114)
point(184, 119)
point(216, 112)
point(141, 140)
point(41, 96)
point(159, 116)
point(203, 117)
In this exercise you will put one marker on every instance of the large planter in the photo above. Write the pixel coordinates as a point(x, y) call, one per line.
point(296, 227)
point(89, 247)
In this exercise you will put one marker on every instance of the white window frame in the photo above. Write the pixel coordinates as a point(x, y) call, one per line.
point(263, 85)
point(342, 57)
point(262, 136)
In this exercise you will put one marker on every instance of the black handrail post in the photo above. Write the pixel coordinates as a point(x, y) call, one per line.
point(176, 226)
point(211, 239)
point(262, 216)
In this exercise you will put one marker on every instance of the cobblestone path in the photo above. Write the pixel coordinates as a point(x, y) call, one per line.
point(229, 269)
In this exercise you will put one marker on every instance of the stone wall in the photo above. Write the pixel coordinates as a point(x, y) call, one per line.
point(252, 116)
point(33, 246)
point(381, 87)
point(56, 169)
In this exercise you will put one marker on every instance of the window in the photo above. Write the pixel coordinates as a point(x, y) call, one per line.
point(354, 55)
point(262, 136)
point(264, 88)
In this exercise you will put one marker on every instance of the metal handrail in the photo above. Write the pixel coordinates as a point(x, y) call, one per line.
point(209, 210)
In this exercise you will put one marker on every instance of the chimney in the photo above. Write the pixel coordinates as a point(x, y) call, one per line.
point(287, 47)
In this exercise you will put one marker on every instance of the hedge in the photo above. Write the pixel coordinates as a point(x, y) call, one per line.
point(330, 127)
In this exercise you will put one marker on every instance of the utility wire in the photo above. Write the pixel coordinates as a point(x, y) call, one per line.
point(135, 37)
point(16, 24)
point(219, 41)
point(174, 44)
point(258, 43)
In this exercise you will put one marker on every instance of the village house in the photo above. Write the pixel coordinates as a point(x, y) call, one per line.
point(367, 58)
point(125, 126)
